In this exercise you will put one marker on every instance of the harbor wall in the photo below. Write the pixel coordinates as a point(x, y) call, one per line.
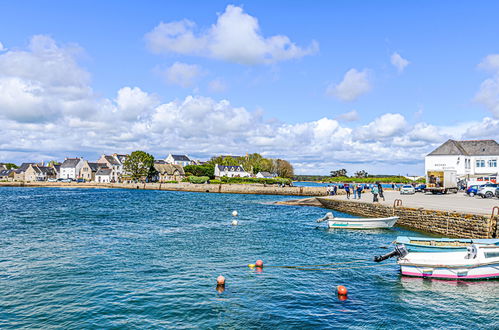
point(448, 224)
point(185, 186)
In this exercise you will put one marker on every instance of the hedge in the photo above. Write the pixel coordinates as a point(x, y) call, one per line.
point(198, 179)
point(225, 179)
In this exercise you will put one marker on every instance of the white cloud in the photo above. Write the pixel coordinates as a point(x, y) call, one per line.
point(354, 84)
point(235, 37)
point(399, 62)
point(488, 93)
point(349, 116)
point(217, 86)
point(183, 74)
point(490, 62)
point(134, 104)
point(1, 47)
point(385, 126)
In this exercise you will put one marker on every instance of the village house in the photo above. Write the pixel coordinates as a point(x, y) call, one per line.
point(230, 171)
point(70, 168)
point(88, 170)
point(7, 175)
point(266, 175)
point(115, 163)
point(182, 160)
point(168, 172)
point(39, 173)
point(57, 170)
point(470, 159)
point(104, 175)
point(19, 172)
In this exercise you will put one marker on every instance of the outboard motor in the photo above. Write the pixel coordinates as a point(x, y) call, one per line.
point(472, 252)
point(328, 215)
point(400, 251)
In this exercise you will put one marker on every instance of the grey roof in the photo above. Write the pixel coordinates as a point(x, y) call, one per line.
point(169, 169)
point(46, 170)
point(181, 158)
point(70, 162)
point(112, 160)
point(24, 167)
point(103, 171)
point(57, 168)
point(5, 172)
point(95, 166)
point(467, 148)
point(230, 168)
point(268, 174)
point(159, 161)
point(121, 158)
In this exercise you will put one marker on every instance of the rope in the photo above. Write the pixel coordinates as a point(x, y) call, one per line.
point(323, 265)
point(341, 268)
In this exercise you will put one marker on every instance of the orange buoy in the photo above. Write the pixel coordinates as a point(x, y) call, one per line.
point(220, 280)
point(259, 263)
point(342, 291)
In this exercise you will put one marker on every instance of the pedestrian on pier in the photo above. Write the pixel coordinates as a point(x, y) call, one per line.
point(335, 189)
point(375, 191)
point(347, 190)
point(359, 190)
point(380, 190)
point(354, 188)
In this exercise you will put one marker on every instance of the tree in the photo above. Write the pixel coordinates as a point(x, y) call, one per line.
point(10, 166)
point(283, 168)
point(201, 170)
point(139, 165)
point(361, 174)
point(337, 173)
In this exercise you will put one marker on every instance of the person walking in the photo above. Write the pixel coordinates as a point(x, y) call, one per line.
point(347, 190)
point(335, 189)
point(375, 191)
point(359, 191)
point(380, 191)
point(354, 188)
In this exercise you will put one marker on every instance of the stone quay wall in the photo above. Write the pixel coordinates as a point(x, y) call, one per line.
point(184, 186)
point(448, 224)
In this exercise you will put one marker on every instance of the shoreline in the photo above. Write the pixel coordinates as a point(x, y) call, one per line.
point(229, 188)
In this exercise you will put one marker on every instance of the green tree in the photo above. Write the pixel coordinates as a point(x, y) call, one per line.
point(283, 168)
point(10, 166)
point(361, 174)
point(338, 173)
point(201, 170)
point(139, 165)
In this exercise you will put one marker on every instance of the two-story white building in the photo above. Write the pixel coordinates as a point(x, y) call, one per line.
point(70, 168)
point(470, 159)
point(182, 160)
point(230, 171)
point(115, 163)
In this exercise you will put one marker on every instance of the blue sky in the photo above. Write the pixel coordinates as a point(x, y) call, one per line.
point(355, 84)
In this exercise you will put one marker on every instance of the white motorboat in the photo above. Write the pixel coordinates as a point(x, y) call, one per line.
point(477, 262)
point(358, 223)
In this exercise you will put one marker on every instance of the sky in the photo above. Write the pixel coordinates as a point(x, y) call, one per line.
point(372, 85)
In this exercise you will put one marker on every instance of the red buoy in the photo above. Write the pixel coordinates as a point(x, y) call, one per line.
point(220, 280)
point(259, 263)
point(342, 291)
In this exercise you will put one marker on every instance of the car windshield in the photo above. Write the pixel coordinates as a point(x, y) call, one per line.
point(407, 186)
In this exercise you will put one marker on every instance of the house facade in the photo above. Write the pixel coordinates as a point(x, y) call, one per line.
point(104, 175)
point(230, 171)
point(115, 163)
point(168, 172)
point(7, 175)
point(88, 170)
point(266, 175)
point(470, 159)
point(39, 173)
point(182, 160)
point(19, 172)
point(70, 168)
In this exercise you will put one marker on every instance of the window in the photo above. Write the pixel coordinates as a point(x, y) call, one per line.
point(467, 163)
point(480, 163)
point(493, 163)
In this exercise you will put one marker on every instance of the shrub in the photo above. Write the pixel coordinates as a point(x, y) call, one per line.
point(215, 181)
point(171, 181)
point(256, 180)
point(198, 179)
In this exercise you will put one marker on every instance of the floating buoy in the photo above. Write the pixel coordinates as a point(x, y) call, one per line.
point(234, 213)
point(342, 291)
point(220, 280)
point(251, 266)
point(259, 263)
point(234, 223)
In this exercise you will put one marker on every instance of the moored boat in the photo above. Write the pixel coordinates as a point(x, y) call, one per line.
point(477, 262)
point(358, 223)
point(430, 244)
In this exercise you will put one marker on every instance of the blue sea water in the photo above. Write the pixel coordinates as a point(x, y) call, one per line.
point(98, 258)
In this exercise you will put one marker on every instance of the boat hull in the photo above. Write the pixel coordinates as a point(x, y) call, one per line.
point(464, 273)
point(428, 244)
point(363, 223)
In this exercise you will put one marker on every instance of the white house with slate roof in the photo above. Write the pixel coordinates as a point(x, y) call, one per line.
point(230, 171)
point(115, 163)
point(103, 175)
point(266, 175)
point(470, 159)
point(182, 160)
point(70, 168)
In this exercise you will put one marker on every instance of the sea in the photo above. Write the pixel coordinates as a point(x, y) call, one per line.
point(80, 258)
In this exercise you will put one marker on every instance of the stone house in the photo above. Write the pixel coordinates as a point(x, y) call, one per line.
point(70, 168)
point(88, 170)
point(115, 163)
point(39, 173)
point(168, 172)
point(7, 175)
point(230, 171)
point(104, 175)
point(19, 172)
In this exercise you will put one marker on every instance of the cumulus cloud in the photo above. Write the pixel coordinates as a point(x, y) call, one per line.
point(385, 126)
point(354, 84)
point(349, 116)
point(183, 74)
point(2, 48)
point(235, 37)
point(134, 104)
point(399, 62)
point(490, 62)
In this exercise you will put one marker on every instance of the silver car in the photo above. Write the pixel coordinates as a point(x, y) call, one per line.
point(407, 189)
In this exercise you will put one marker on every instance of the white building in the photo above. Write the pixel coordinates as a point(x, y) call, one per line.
point(470, 159)
point(182, 160)
point(103, 175)
point(230, 171)
point(70, 168)
point(115, 162)
point(266, 175)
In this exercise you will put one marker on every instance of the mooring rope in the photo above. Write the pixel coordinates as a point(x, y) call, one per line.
point(323, 265)
point(343, 268)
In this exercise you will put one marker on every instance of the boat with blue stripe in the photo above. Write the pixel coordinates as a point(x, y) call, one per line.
point(431, 244)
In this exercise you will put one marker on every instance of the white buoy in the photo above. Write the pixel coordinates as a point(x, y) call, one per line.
point(234, 213)
point(234, 223)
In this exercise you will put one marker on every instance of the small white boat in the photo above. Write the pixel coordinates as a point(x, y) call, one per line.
point(358, 223)
point(477, 262)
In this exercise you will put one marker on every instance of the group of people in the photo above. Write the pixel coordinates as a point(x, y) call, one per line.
point(358, 189)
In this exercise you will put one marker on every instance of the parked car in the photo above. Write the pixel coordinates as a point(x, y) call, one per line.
point(80, 180)
point(51, 180)
point(497, 192)
point(407, 189)
point(420, 188)
point(472, 190)
point(65, 180)
point(487, 190)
